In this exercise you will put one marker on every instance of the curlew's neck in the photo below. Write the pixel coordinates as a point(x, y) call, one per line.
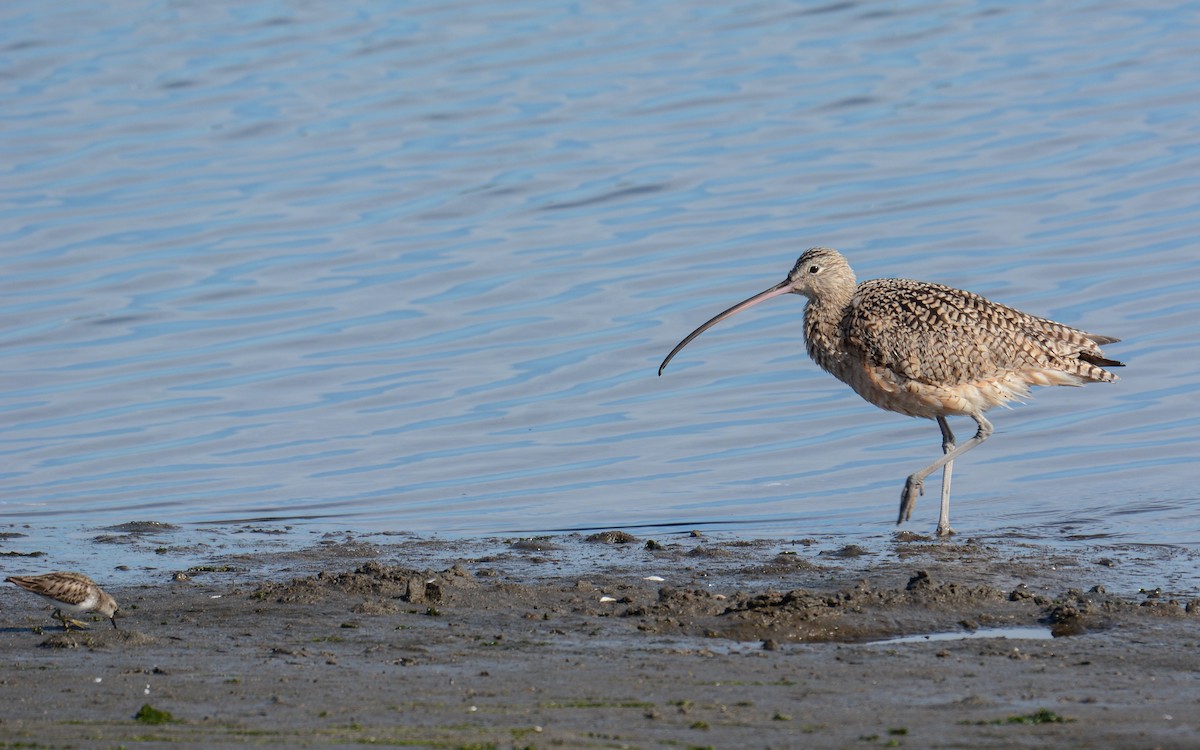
point(822, 326)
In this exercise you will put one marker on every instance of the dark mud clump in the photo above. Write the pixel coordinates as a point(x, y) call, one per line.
point(863, 612)
point(372, 581)
point(612, 537)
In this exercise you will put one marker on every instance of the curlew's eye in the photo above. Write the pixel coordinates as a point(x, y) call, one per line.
point(814, 269)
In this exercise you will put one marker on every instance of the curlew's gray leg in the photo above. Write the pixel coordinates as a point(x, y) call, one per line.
point(943, 527)
point(916, 482)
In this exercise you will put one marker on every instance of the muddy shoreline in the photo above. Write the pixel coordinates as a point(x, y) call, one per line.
point(612, 640)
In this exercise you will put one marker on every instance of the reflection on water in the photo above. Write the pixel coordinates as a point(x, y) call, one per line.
point(413, 268)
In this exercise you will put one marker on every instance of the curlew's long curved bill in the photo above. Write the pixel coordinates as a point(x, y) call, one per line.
point(783, 287)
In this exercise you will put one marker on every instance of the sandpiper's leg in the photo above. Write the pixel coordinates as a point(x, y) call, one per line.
point(916, 482)
point(943, 527)
point(67, 622)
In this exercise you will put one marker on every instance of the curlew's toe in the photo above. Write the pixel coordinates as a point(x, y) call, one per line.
point(913, 488)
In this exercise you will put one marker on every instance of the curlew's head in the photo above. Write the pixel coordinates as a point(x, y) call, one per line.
point(820, 273)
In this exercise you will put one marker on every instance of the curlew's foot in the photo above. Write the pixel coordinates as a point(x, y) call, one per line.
point(913, 489)
point(945, 531)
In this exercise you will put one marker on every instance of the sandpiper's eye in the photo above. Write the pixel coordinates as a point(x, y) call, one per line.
point(814, 269)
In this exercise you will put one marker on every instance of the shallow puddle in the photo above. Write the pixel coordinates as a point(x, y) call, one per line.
point(1022, 633)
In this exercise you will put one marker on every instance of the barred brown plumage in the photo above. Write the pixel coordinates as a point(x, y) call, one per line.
point(928, 350)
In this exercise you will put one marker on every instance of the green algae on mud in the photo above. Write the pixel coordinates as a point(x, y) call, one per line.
point(148, 714)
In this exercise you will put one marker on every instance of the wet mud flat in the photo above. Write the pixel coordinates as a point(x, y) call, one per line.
point(615, 641)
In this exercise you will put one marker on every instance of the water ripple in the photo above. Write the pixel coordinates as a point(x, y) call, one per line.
point(417, 269)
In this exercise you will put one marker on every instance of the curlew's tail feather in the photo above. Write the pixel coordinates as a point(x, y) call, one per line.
point(1099, 361)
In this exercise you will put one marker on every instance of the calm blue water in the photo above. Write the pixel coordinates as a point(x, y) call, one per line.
point(412, 266)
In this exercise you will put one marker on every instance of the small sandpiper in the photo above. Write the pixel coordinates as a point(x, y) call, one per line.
point(70, 593)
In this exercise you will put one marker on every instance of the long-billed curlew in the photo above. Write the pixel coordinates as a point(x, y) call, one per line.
point(927, 350)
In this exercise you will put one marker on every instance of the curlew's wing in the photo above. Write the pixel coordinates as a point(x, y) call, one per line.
point(939, 335)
